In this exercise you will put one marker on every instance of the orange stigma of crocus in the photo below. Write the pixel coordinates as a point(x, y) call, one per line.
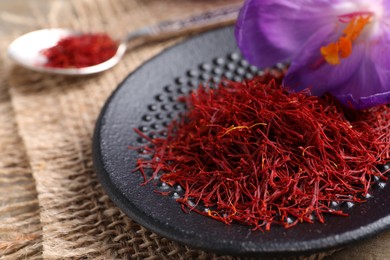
point(343, 47)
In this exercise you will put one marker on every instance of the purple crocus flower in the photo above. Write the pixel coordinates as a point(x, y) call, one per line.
point(339, 47)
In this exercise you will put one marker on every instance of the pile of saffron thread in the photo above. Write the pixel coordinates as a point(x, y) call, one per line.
point(251, 153)
point(78, 51)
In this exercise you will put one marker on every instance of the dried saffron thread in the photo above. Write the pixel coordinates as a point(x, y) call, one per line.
point(252, 153)
point(78, 51)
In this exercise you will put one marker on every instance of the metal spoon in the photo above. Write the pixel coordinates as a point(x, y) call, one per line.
point(26, 50)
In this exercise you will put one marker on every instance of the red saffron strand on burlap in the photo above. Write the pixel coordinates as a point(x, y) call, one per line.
point(254, 154)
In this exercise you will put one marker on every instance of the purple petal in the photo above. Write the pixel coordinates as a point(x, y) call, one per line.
point(310, 71)
point(370, 84)
point(385, 4)
point(362, 80)
point(271, 31)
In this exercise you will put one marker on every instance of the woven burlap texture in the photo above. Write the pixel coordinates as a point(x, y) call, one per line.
point(52, 203)
point(20, 228)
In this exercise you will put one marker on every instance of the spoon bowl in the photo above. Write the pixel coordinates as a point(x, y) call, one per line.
point(27, 51)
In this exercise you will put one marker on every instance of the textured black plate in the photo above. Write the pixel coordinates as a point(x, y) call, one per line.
point(146, 99)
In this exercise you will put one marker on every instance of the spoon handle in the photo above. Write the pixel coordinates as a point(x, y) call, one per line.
point(198, 23)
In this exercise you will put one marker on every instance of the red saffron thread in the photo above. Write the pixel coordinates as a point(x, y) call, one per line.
point(78, 51)
point(254, 154)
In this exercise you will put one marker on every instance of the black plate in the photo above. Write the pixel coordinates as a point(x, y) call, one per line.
point(146, 100)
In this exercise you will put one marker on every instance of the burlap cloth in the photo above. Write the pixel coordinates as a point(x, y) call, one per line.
point(51, 203)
